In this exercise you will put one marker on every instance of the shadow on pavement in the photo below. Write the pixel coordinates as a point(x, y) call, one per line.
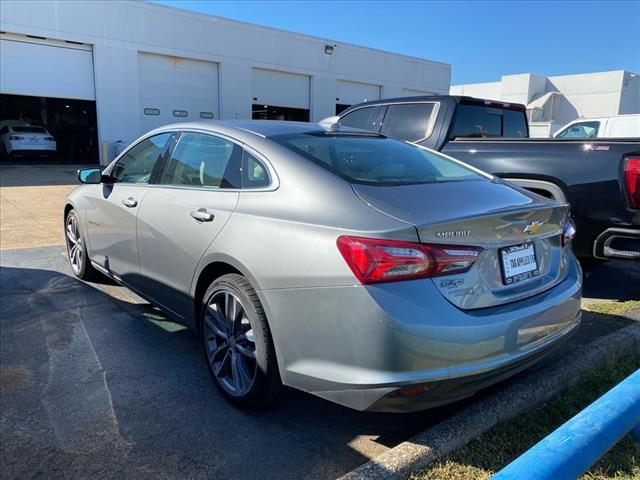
point(97, 386)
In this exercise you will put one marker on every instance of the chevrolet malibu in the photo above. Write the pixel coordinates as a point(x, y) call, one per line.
point(368, 271)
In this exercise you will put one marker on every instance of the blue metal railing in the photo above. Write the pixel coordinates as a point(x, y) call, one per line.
point(570, 450)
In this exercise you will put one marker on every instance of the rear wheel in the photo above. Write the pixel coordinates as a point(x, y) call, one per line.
point(237, 343)
point(77, 249)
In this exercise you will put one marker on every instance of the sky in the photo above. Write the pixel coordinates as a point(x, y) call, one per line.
point(481, 40)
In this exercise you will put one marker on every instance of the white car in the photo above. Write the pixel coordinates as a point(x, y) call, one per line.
point(21, 139)
point(620, 126)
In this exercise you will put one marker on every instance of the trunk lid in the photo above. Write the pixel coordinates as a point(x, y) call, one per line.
point(488, 214)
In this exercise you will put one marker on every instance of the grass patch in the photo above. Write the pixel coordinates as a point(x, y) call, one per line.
point(611, 308)
point(484, 456)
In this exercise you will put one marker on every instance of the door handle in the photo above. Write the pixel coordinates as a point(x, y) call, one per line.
point(130, 202)
point(202, 215)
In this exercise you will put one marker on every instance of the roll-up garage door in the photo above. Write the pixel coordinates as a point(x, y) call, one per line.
point(46, 70)
point(355, 92)
point(280, 88)
point(350, 93)
point(409, 92)
point(175, 89)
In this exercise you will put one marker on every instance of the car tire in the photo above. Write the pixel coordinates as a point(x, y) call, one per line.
point(77, 248)
point(237, 343)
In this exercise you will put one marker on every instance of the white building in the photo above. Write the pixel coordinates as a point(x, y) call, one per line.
point(554, 101)
point(94, 72)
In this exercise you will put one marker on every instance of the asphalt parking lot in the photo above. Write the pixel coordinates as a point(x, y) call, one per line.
point(96, 382)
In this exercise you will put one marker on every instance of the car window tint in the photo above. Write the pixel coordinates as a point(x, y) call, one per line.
point(408, 122)
point(514, 124)
point(375, 159)
point(138, 162)
point(477, 121)
point(254, 173)
point(29, 129)
point(202, 160)
point(362, 118)
point(580, 130)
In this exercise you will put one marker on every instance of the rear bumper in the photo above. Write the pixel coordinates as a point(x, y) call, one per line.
point(358, 346)
point(28, 148)
point(618, 243)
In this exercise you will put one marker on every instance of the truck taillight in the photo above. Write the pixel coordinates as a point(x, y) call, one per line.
point(374, 260)
point(632, 181)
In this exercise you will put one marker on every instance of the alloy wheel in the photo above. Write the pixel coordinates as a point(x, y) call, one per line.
point(74, 244)
point(230, 343)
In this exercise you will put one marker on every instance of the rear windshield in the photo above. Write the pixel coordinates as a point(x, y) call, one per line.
point(28, 129)
point(375, 159)
point(484, 121)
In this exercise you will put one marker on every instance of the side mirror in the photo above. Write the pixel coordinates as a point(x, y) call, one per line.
point(90, 175)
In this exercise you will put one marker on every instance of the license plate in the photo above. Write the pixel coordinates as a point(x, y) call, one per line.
point(518, 263)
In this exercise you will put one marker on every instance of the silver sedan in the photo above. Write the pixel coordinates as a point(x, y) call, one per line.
point(373, 273)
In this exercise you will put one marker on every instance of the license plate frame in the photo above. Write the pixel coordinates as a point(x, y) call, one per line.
point(513, 273)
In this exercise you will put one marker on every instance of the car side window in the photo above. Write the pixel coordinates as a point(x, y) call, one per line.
point(254, 172)
point(204, 160)
point(408, 121)
point(581, 130)
point(4, 130)
point(137, 164)
point(363, 118)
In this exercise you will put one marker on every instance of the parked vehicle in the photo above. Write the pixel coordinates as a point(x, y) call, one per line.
point(371, 272)
point(601, 180)
point(619, 126)
point(18, 138)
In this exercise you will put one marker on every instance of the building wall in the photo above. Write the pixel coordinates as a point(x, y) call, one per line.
point(118, 30)
point(586, 95)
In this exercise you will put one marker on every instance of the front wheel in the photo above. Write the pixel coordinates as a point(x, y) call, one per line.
point(77, 249)
point(237, 343)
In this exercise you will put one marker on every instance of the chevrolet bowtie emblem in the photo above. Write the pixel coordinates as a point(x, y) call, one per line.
point(533, 227)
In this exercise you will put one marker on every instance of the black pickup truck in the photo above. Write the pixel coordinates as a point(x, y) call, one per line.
point(600, 178)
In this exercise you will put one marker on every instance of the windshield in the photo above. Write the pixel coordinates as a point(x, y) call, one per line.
point(375, 159)
point(29, 129)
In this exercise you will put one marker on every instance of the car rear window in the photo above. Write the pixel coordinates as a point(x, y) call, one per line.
point(479, 121)
point(28, 129)
point(375, 159)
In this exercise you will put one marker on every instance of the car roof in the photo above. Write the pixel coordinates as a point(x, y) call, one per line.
point(262, 128)
point(437, 98)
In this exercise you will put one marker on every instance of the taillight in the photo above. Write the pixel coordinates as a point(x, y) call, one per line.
point(15, 137)
point(568, 232)
point(632, 181)
point(374, 260)
point(49, 139)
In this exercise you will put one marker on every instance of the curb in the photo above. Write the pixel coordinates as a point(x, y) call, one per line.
point(417, 453)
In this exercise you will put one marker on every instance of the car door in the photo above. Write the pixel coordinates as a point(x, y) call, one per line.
point(111, 217)
point(182, 215)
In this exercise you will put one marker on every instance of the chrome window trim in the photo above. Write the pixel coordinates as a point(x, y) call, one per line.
point(430, 125)
point(273, 176)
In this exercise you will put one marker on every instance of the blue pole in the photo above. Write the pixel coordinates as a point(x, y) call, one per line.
point(570, 450)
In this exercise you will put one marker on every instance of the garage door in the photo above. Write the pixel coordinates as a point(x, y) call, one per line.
point(280, 89)
point(409, 92)
point(46, 70)
point(351, 93)
point(174, 89)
